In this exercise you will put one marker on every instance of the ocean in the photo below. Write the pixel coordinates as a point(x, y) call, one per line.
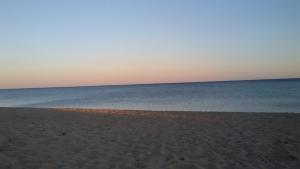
point(231, 96)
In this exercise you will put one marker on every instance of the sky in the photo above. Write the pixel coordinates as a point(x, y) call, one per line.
point(102, 42)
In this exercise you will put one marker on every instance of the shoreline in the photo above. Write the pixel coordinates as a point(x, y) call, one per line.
point(103, 110)
point(71, 138)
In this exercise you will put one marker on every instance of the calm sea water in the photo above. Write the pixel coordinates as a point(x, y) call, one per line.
point(241, 96)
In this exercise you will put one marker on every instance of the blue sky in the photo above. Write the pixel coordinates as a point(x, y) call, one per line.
point(88, 42)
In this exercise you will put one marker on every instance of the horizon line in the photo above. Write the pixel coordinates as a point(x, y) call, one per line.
point(134, 84)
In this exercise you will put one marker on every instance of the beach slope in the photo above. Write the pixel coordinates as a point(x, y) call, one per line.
point(122, 139)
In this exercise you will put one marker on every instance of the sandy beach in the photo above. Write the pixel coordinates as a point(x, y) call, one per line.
point(122, 139)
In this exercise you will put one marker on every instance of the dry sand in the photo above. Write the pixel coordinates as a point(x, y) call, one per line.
point(111, 139)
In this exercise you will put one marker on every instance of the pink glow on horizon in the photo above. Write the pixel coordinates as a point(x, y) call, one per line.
point(128, 76)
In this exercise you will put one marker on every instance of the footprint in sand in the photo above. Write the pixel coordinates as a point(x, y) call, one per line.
point(4, 142)
point(5, 163)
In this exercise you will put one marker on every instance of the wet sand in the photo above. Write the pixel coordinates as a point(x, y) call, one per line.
point(122, 139)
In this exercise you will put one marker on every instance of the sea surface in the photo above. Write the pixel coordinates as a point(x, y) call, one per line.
point(237, 96)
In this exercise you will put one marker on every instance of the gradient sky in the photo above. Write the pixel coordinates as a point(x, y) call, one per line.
point(47, 43)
